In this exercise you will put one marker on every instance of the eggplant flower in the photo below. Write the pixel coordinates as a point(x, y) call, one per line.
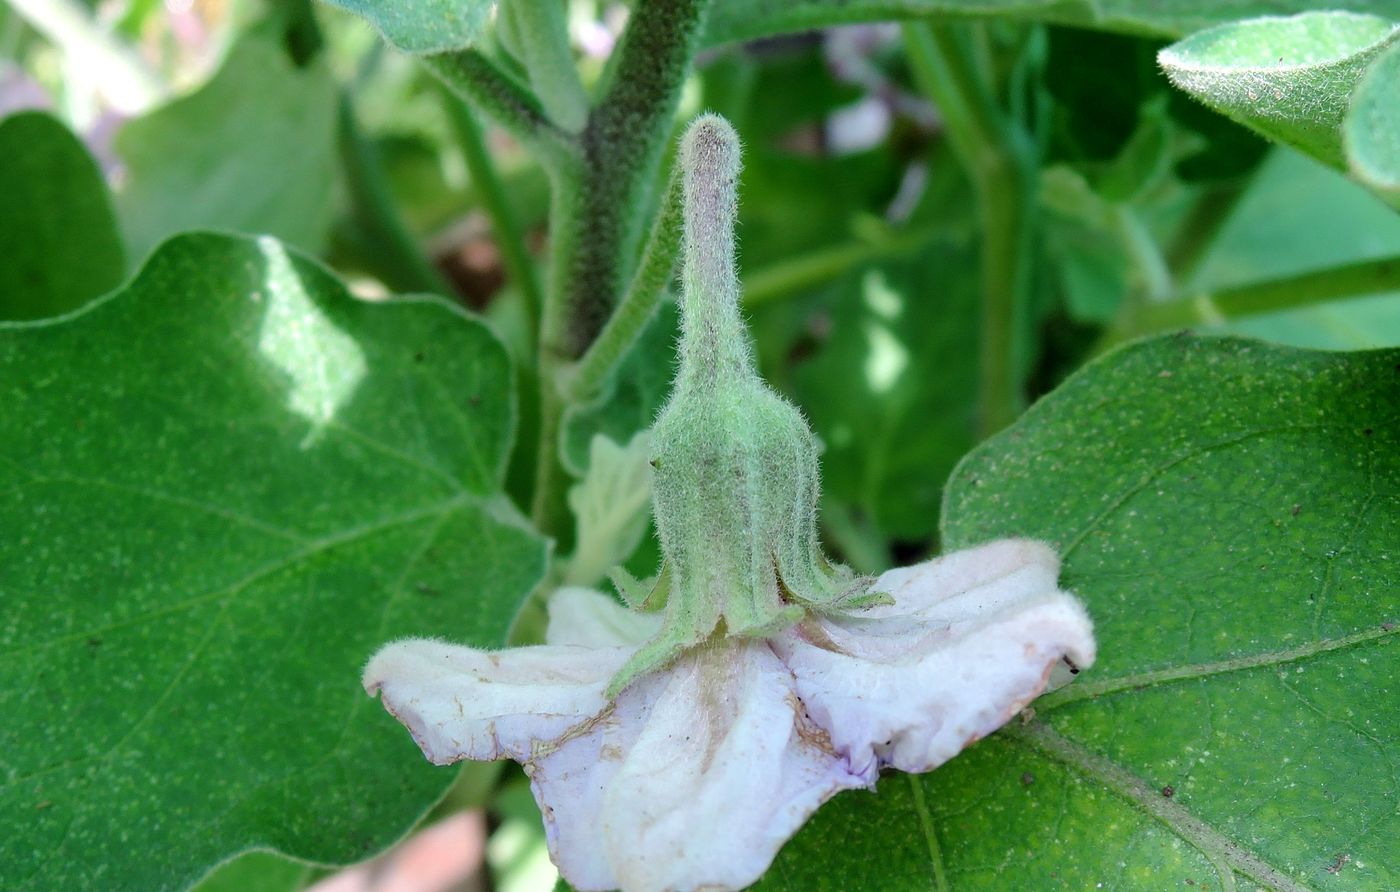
point(676, 746)
point(696, 774)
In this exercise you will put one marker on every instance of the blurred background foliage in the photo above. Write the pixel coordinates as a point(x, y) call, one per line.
point(859, 234)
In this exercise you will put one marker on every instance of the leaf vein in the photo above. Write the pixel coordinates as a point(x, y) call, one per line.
point(1219, 849)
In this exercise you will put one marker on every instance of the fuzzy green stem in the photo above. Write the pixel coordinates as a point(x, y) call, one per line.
point(548, 510)
point(1142, 249)
point(638, 304)
point(1304, 289)
point(622, 146)
point(544, 34)
point(473, 76)
point(999, 160)
point(600, 199)
point(516, 257)
point(390, 250)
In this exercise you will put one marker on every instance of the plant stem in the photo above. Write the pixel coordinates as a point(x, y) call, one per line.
point(855, 537)
point(1351, 280)
point(547, 508)
point(473, 76)
point(790, 276)
point(622, 146)
point(600, 199)
point(391, 250)
point(638, 304)
point(1201, 225)
point(516, 257)
point(1156, 278)
point(544, 31)
point(1000, 162)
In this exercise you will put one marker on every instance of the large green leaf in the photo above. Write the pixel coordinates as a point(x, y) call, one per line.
point(1289, 78)
point(732, 20)
point(58, 235)
point(252, 151)
point(425, 26)
point(1229, 512)
point(226, 485)
point(1371, 133)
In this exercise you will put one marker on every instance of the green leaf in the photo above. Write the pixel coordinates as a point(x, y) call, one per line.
point(260, 871)
point(1371, 132)
point(424, 26)
point(738, 20)
point(1229, 513)
point(1290, 79)
point(228, 484)
point(252, 151)
point(890, 389)
point(58, 234)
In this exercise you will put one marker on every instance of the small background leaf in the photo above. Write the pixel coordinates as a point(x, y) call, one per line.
point(228, 485)
point(1289, 78)
point(252, 151)
point(58, 235)
point(425, 26)
point(257, 872)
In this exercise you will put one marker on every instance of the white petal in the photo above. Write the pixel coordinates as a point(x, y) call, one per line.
point(726, 768)
point(587, 618)
point(462, 703)
point(972, 638)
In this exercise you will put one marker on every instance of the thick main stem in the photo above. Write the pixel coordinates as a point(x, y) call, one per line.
point(601, 197)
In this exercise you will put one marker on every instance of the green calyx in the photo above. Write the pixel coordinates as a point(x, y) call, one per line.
point(735, 477)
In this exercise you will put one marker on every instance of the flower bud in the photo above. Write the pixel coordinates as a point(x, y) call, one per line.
point(735, 478)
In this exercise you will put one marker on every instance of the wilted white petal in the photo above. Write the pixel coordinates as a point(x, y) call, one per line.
point(462, 703)
point(971, 638)
point(725, 769)
point(587, 618)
